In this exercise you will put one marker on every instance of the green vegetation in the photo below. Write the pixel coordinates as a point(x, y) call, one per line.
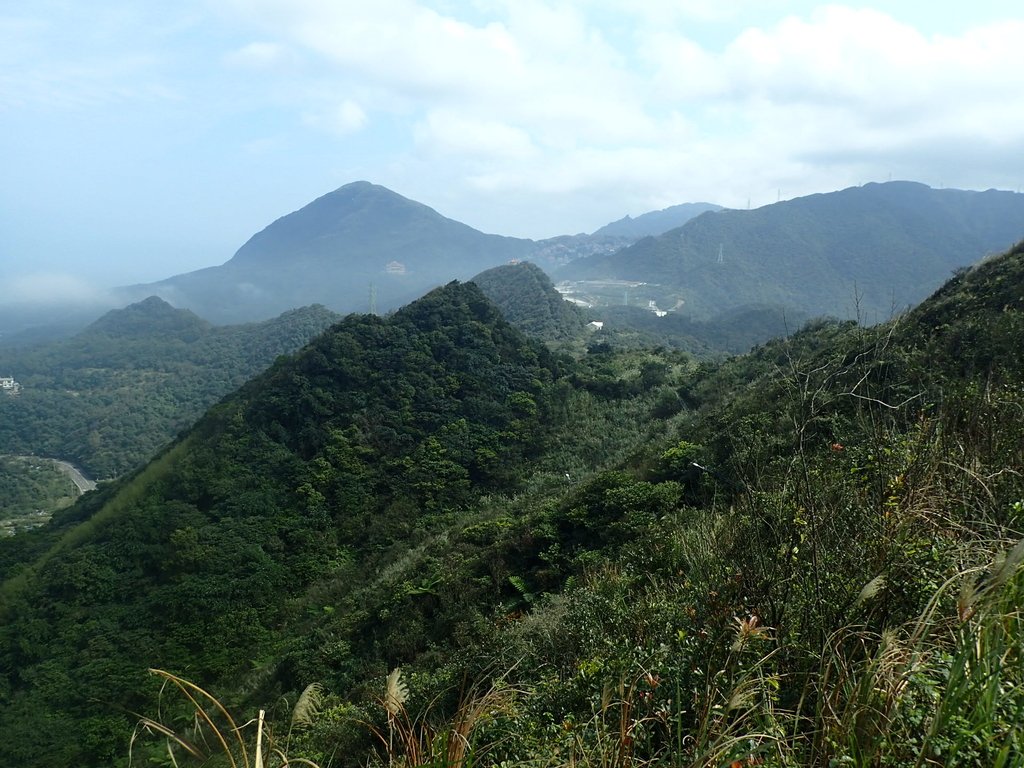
point(110, 397)
point(30, 490)
point(528, 300)
point(806, 556)
point(863, 253)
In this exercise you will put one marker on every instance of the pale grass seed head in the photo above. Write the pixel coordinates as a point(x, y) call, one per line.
point(396, 692)
point(748, 630)
point(871, 589)
point(308, 706)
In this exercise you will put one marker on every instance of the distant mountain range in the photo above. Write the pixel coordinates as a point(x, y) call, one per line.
point(863, 252)
point(364, 248)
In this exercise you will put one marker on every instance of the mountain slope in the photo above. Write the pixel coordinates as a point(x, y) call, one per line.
point(151, 317)
point(359, 240)
point(868, 250)
point(527, 298)
point(311, 474)
point(110, 397)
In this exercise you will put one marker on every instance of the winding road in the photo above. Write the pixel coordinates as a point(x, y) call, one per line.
point(84, 483)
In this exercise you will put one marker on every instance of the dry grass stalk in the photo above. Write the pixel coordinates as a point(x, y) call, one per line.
point(417, 742)
point(229, 738)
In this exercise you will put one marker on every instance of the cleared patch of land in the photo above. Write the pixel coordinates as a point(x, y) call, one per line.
point(32, 488)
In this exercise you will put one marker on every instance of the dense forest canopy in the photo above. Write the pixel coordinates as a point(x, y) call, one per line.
point(528, 299)
point(108, 398)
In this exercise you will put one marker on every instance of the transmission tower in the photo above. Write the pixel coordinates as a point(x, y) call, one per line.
point(373, 299)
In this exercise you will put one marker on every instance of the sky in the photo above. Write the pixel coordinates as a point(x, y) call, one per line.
point(142, 140)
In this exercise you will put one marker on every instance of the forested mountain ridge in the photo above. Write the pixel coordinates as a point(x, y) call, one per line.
point(375, 433)
point(150, 317)
point(806, 556)
point(112, 395)
point(527, 298)
point(868, 251)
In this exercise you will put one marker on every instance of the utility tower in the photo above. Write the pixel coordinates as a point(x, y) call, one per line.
point(373, 299)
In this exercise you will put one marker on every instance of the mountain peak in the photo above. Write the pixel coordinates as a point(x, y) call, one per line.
point(367, 191)
point(149, 317)
point(361, 246)
point(528, 299)
point(369, 226)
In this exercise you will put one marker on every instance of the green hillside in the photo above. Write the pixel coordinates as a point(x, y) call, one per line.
point(528, 299)
point(151, 318)
point(862, 253)
point(30, 490)
point(809, 555)
point(108, 398)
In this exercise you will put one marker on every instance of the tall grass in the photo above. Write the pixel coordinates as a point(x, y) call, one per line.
point(214, 737)
point(431, 739)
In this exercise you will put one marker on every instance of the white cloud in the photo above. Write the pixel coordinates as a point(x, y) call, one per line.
point(538, 66)
point(843, 93)
point(51, 288)
point(341, 119)
point(526, 117)
point(452, 133)
point(539, 100)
